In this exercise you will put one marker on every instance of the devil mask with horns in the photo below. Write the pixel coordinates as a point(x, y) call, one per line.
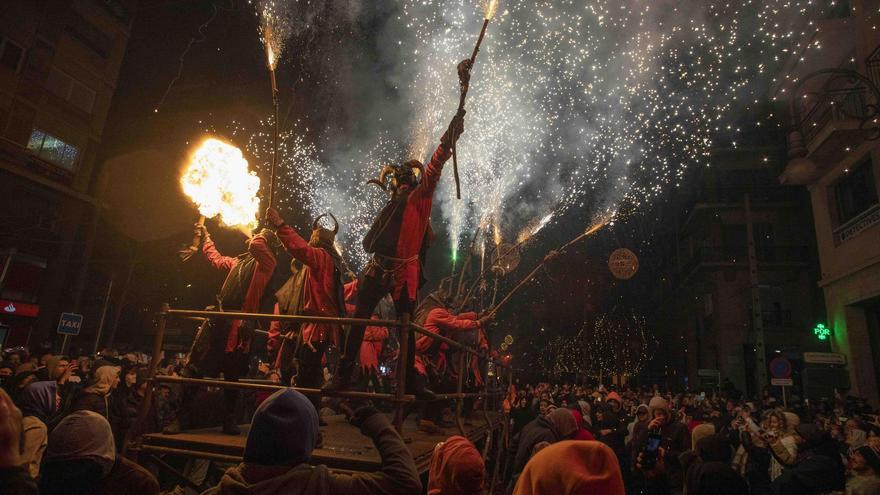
point(396, 179)
point(322, 237)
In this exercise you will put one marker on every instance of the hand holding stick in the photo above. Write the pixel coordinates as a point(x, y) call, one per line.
point(198, 232)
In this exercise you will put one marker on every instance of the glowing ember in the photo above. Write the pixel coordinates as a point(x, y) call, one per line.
point(497, 233)
point(218, 181)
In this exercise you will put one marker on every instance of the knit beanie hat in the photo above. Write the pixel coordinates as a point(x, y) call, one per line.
point(284, 430)
point(700, 432)
point(614, 396)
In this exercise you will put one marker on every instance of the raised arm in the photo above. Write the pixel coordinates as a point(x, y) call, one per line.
point(260, 250)
point(214, 257)
point(443, 152)
point(294, 244)
point(397, 475)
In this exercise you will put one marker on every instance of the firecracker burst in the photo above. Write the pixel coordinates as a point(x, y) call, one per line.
point(592, 106)
point(275, 28)
point(218, 181)
point(589, 104)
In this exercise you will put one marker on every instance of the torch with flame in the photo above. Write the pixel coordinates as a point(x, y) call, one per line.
point(218, 181)
point(275, 28)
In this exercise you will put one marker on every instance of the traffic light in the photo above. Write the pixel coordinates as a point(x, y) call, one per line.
point(821, 331)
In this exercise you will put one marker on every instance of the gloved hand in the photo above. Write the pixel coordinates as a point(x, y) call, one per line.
point(201, 230)
point(273, 217)
point(487, 320)
point(362, 415)
point(456, 127)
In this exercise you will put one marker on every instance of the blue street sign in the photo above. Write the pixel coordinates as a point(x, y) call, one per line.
point(70, 324)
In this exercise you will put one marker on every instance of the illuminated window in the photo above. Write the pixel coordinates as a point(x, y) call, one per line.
point(53, 150)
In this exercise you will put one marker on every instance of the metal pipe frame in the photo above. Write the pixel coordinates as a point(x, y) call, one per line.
point(230, 315)
point(399, 398)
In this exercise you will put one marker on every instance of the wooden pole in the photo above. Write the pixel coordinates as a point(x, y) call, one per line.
point(402, 371)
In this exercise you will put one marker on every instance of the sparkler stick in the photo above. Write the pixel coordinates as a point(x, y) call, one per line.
point(489, 12)
point(274, 136)
point(590, 231)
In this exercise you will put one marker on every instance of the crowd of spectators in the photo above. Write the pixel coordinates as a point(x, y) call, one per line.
point(707, 443)
point(65, 425)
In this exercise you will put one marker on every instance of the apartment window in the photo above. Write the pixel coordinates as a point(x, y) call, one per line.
point(856, 192)
point(11, 54)
point(89, 35)
point(71, 90)
point(53, 150)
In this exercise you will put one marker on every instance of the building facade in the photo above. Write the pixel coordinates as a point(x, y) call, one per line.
point(835, 154)
point(59, 61)
point(741, 275)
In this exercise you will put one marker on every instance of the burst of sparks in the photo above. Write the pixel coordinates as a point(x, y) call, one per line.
point(587, 106)
point(534, 228)
point(275, 28)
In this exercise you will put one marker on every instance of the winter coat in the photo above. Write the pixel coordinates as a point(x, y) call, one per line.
point(397, 474)
point(818, 470)
point(539, 430)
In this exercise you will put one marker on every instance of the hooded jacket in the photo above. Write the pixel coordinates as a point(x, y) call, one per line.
point(556, 426)
point(283, 434)
point(457, 468)
point(572, 467)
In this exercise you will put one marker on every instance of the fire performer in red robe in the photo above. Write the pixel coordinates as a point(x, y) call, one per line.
point(398, 240)
point(315, 289)
point(225, 345)
point(435, 315)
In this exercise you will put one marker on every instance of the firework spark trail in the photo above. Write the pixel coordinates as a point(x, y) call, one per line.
point(605, 101)
point(574, 106)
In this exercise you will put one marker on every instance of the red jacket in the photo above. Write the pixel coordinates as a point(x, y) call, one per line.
point(259, 249)
point(319, 290)
point(415, 221)
point(374, 337)
point(441, 321)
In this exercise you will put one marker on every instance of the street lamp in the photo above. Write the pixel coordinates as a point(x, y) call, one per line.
point(800, 169)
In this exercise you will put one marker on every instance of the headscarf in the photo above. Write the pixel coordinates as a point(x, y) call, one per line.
point(38, 400)
point(284, 430)
point(83, 435)
point(563, 422)
point(456, 468)
point(102, 383)
point(572, 467)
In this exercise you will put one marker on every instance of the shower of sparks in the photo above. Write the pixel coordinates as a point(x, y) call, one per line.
point(590, 104)
point(533, 228)
point(275, 28)
point(490, 7)
point(218, 181)
point(598, 106)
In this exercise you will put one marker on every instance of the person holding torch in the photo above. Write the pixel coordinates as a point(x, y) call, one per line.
point(398, 241)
